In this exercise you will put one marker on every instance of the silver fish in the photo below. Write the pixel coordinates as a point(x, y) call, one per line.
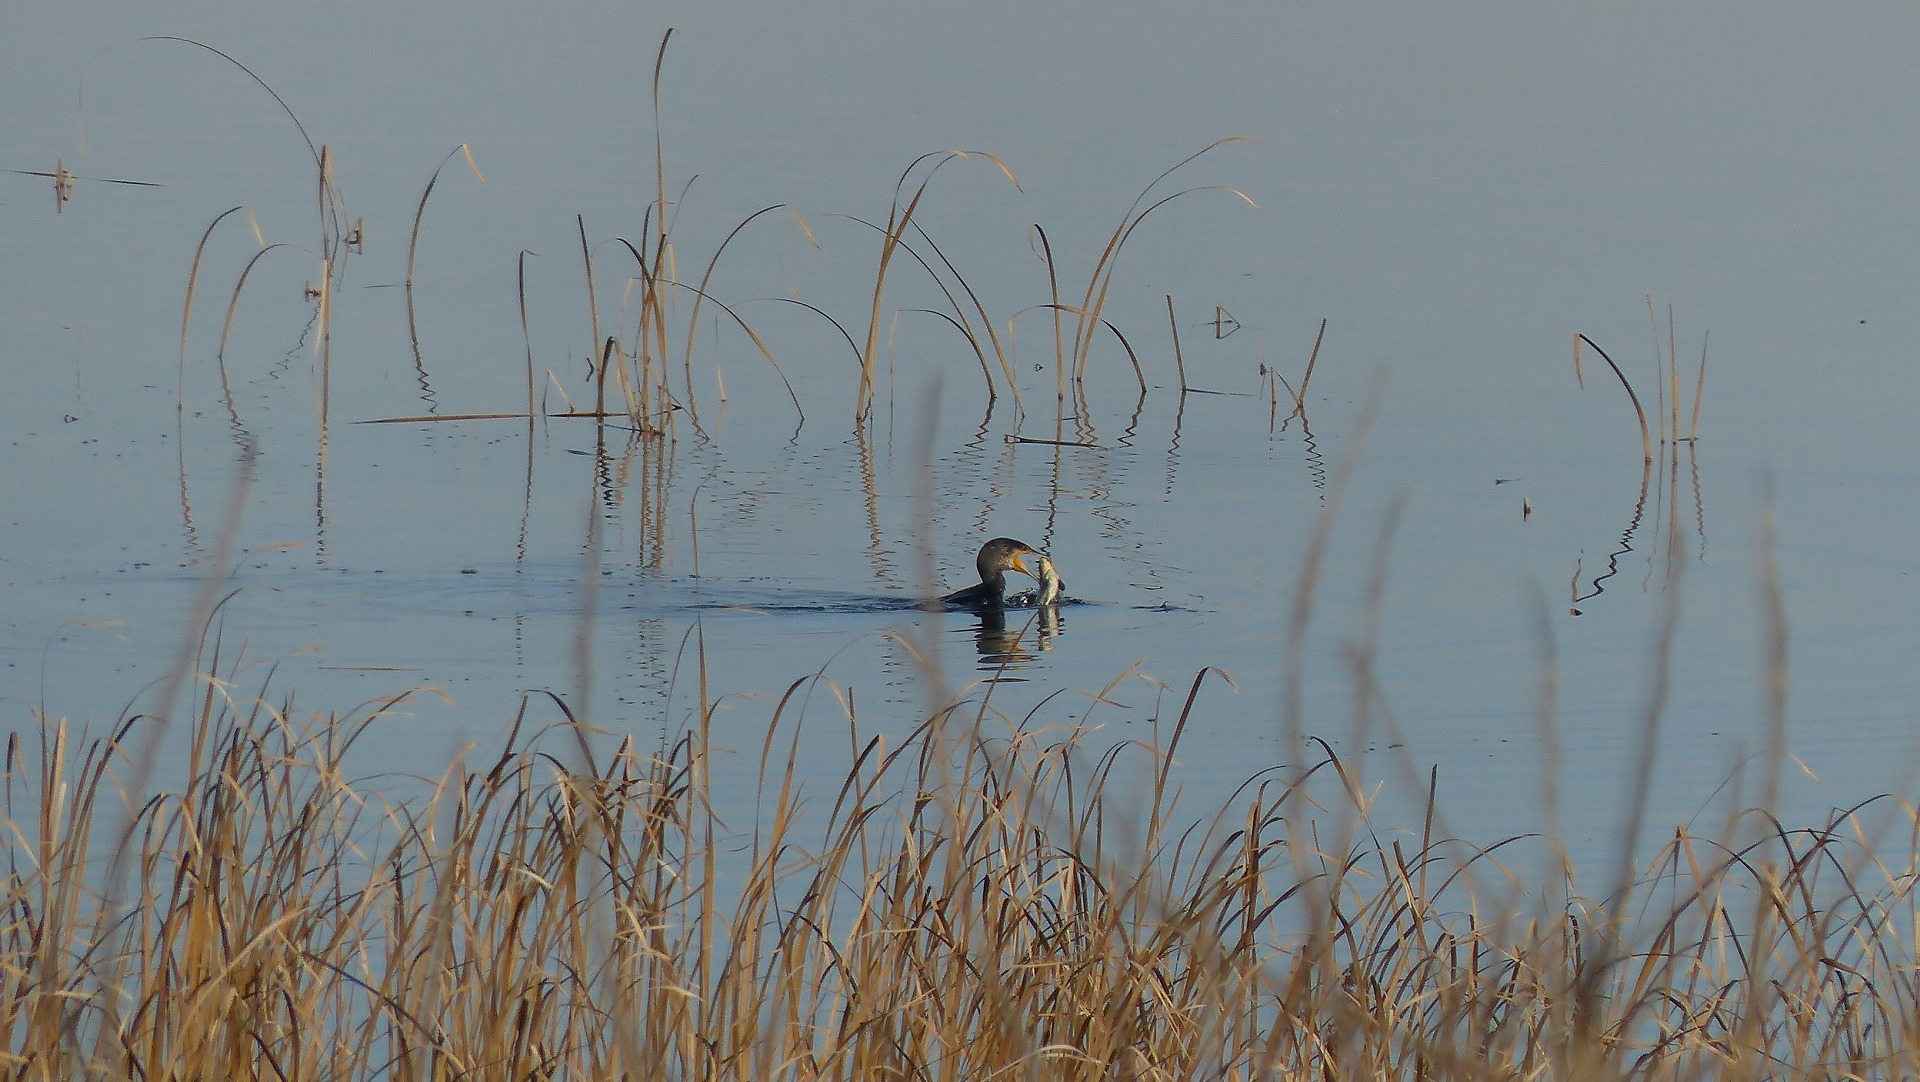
point(1050, 582)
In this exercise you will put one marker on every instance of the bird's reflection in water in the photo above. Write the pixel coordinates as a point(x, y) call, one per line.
point(1002, 642)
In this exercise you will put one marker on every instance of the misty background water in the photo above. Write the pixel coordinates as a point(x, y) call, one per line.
point(1455, 195)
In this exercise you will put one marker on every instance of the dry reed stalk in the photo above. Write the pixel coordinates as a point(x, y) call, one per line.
point(1300, 395)
point(1179, 362)
point(180, 372)
point(1101, 280)
point(334, 238)
point(526, 338)
point(233, 299)
point(1699, 390)
point(1055, 310)
point(1670, 416)
point(700, 294)
point(323, 347)
point(1646, 439)
point(586, 263)
point(963, 322)
point(186, 305)
point(420, 209)
point(892, 234)
point(1673, 379)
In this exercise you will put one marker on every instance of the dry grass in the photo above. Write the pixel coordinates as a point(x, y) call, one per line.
point(977, 901)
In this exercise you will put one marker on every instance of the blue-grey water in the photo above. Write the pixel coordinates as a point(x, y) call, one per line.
point(1455, 193)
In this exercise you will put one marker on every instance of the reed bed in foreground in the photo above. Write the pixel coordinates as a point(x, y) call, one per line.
point(974, 902)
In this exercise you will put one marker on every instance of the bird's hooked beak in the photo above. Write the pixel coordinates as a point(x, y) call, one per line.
point(1020, 563)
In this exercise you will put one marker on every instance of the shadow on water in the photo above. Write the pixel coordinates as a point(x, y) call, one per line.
point(1000, 633)
point(830, 601)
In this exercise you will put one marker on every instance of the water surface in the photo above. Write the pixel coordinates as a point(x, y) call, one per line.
point(1456, 195)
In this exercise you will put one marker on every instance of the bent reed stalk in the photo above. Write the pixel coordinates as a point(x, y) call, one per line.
point(985, 896)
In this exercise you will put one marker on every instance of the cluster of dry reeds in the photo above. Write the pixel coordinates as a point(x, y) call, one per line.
point(975, 901)
point(632, 375)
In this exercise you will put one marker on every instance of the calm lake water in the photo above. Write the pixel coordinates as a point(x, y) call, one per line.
point(1455, 195)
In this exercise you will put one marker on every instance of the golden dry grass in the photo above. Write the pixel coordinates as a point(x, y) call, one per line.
point(969, 904)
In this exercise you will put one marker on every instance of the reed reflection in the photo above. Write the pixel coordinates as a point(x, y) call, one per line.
point(1001, 643)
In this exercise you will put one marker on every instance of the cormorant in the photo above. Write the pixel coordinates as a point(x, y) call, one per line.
point(997, 557)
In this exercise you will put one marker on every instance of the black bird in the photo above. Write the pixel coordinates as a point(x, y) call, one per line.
point(997, 557)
